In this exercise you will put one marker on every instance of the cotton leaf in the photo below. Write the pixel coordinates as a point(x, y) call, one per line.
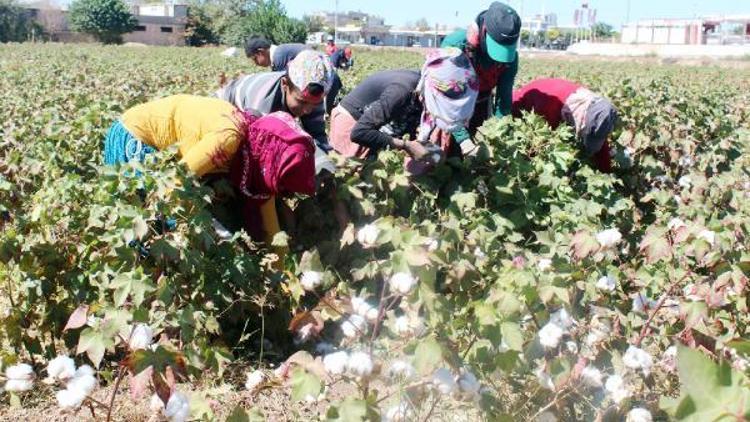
point(584, 244)
point(77, 318)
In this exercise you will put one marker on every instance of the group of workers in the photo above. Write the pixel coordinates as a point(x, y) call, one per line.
point(266, 132)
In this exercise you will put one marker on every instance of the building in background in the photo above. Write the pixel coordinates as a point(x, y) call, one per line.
point(158, 24)
point(539, 23)
point(712, 30)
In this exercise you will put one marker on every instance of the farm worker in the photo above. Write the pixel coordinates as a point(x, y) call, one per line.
point(278, 57)
point(559, 101)
point(342, 59)
point(263, 156)
point(331, 46)
point(431, 107)
point(491, 43)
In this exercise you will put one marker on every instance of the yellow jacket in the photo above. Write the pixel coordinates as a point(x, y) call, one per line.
point(205, 129)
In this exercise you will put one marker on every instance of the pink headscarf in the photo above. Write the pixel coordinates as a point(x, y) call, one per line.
point(276, 157)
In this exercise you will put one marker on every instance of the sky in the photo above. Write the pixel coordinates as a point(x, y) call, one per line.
point(458, 13)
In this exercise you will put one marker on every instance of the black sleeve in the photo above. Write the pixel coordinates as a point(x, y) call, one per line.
point(315, 125)
point(367, 130)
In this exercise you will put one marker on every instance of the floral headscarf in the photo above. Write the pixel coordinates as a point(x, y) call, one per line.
point(449, 90)
point(311, 67)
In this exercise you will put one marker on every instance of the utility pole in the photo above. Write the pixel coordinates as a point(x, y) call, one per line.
point(336, 23)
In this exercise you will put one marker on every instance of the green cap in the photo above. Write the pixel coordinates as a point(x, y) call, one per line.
point(502, 53)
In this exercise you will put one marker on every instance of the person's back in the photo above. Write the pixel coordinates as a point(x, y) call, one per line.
point(198, 125)
point(284, 53)
point(373, 87)
point(545, 97)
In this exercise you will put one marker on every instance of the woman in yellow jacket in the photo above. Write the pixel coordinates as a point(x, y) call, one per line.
point(266, 156)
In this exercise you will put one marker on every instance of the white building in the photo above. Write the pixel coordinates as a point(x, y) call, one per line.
point(539, 23)
point(706, 30)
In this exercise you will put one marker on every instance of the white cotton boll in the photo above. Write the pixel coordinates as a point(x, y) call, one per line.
point(432, 245)
point(310, 280)
point(685, 182)
point(70, 398)
point(400, 413)
point(305, 333)
point(354, 326)
point(20, 372)
point(444, 382)
point(141, 337)
point(636, 358)
point(708, 235)
point(360, 364)
point(254, 380)
point(20, 378)
point(372, 315)
point(639, 414)
point(18, 385)
point(402, 283)
point(592, 376)
point(615, 386)
point(544, 379)
point(335, 363)
point(367, 236)
point(61, 368)
point(608, 238)
point(469, 385)
point(550, 335)
point(572, 347)
point(607, 283)
point(479, 253)
point(178, 407)
point(544, 264)
point(155, 404)
point(402, 326)
point(676, 224)
point(562, 318)
point(401, 370)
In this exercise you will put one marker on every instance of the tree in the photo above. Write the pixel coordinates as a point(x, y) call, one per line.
point(199, 30)
point(314, 23)
point(269, 19)
point(422, 25)
point(602, 30)
point(106, 20)
point(16, 24)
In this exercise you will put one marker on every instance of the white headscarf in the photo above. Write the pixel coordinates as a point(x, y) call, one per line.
point(449, 90)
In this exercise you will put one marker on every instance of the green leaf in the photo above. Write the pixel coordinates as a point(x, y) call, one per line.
point(131, 285)
point(351, 409)
point(709, 391)
point(94, 344)
point(305, 384)
point(428, 356)
point(240, 415)
point(512, 335)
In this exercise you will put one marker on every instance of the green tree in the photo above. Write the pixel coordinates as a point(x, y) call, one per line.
point(16, 24)
point(602, 30)
point(267, 18)
point(106, 20)
point(314, 23)
point(200, 29)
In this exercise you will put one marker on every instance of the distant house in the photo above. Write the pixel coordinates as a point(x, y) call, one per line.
point(158, 24)
point(715, 30)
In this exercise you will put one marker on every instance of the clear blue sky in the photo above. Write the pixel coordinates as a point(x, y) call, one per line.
point(614, 12)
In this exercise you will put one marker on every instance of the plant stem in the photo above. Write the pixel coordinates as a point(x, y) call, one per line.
point(120, 376)
point(659, 305)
